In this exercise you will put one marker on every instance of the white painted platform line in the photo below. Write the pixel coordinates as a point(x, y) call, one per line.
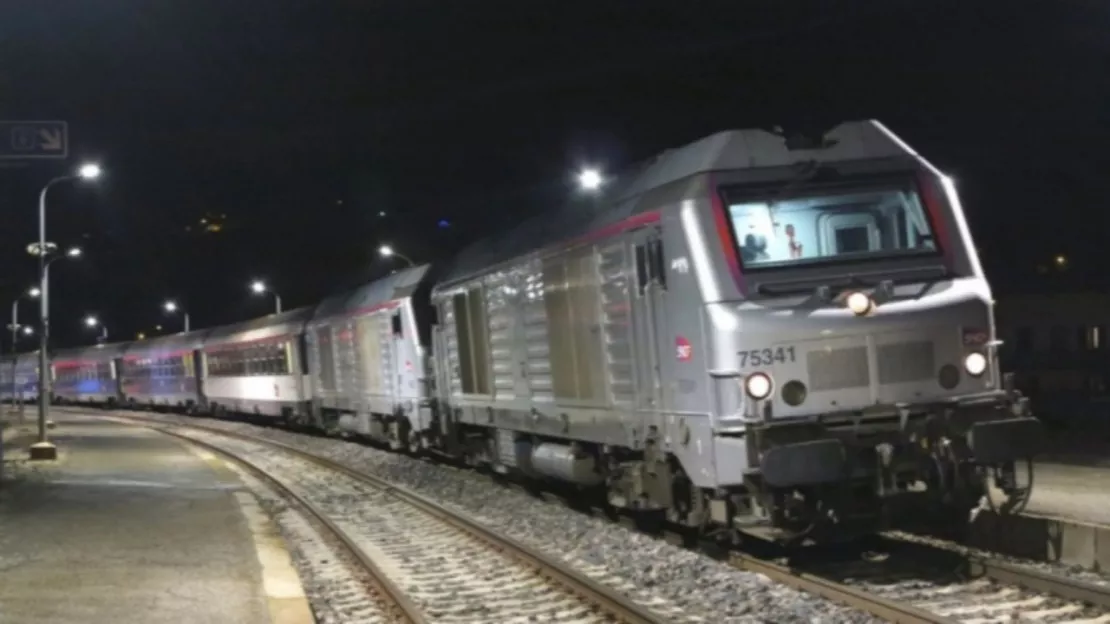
point(284, 592)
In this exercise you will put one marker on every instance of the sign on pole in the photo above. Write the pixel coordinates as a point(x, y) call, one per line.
point(21, 140)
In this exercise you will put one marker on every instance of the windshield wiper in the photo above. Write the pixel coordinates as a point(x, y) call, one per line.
point(868, 279)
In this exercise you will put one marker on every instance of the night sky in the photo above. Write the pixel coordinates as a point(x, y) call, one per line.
point(303, 122)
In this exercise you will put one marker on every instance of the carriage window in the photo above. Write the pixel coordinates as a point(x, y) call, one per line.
point(832, 226)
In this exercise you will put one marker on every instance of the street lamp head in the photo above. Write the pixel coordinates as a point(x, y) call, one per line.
point(258, 286)
point(170, 306)
point(589, 179)
point(385, 251)
point(28, 330)
point(89, 171)
point(34, 292)
point(90, 321)
point(74, 252)
point(37, 250)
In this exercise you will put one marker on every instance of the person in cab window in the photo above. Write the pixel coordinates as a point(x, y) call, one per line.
point(754, 249)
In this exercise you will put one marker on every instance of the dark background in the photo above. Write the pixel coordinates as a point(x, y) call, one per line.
point(303, 122)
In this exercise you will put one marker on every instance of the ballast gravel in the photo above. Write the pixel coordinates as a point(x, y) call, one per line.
point(673, 581)
point(335, 592)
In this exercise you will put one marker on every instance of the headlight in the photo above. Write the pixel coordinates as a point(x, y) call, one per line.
point(975, 364)
point(759, 386)
point(859, 303)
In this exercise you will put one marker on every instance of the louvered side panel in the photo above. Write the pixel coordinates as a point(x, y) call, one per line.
point(616, 323)
point(538, 353)
point(369, 356)
point(346, 359)
point(502, 325)
point(451, 339)
point(387, 375)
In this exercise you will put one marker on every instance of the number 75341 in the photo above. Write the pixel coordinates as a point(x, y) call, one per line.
point(766, 357)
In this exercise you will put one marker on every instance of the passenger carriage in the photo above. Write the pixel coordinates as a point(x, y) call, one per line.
point(163, 372)
point(24, 374)
point(256, 367)
point(87, 375)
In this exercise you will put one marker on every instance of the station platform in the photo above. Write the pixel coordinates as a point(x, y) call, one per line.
point(1071, 492)
point(129, 525)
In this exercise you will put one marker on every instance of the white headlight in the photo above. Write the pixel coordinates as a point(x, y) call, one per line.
point(759, 386)
point(859, 303)
point(975, 364)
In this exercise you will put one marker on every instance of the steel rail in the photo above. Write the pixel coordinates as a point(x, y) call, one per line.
point(611, 602)
point(400, 603)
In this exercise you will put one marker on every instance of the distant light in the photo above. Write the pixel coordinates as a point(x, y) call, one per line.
point(385, 251)
point(140, 336)
point(1061, 261)
point(74, 252)
point(34, 292)
point(589, 179)
point(90, 321)
point(90, 171)
point(28, 330)
point(170, 306)
point(339, 202)
point(258, 286)
point(444, 223)
point(381, 213)
point(157, 328)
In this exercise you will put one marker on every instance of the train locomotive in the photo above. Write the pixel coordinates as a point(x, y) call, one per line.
point(746, 335)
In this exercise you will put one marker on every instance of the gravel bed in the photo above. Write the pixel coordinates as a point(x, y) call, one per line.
point(681, 581)
point(451, 576)
point(336, 593)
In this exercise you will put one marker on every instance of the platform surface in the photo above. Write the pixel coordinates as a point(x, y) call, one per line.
point(1071, 492)
point(128, 525)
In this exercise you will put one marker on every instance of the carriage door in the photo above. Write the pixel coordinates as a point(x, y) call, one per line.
point(649, 314)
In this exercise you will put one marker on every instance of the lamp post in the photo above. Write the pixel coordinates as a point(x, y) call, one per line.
point(28, 330)
point(386, 251)
point(91, 321)
point(43, 449)
point(171, 307)
point(259, 287)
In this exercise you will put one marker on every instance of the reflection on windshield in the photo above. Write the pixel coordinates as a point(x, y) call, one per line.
point(842, 226)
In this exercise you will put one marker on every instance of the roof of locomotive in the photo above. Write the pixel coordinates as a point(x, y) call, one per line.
point(262, 328)
point(727, 150)
point(368, 297)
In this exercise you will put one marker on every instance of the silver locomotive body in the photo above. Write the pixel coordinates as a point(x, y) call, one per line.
point(367, 363)
point(743, 335)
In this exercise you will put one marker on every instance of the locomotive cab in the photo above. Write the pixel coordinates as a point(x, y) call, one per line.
point(851, 337)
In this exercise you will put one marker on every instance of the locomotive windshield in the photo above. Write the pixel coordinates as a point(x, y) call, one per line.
point(830, 225)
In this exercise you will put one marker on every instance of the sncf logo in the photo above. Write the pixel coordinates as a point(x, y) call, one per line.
point(684, 351)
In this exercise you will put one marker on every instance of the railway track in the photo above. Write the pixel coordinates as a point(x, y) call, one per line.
point(912, 583)
point(428, 563)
